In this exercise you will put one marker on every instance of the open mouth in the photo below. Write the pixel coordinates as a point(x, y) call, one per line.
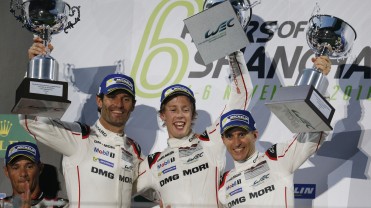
point(179, 125)
point(238, 150)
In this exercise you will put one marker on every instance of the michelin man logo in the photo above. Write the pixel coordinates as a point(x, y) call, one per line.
point(236, 117)
point(22, 148)
point(119, 80)
point(177, 89)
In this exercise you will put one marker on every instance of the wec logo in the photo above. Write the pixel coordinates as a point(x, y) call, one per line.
point(223, 26)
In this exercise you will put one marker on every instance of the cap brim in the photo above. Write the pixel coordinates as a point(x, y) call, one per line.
point(119, 88)
point(247, 128)
point(177, 93)
point(24, 155)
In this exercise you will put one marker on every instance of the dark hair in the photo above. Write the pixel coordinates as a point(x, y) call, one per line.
point(101, 96)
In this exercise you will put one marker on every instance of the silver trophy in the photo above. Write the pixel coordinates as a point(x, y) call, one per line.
point(303, 108)
point(220, 29)
point(40, 93)
point(242, 8)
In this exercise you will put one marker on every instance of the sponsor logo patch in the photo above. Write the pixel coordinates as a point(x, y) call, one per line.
point(103, 162)
point(167, 170)
point(259, 169)
point(305, 191)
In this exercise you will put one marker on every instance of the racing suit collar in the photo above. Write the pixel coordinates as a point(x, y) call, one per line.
point(251, 160)
point(185, 141)
point(110, 137)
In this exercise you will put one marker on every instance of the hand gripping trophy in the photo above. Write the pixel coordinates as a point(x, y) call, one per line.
point(40, 92)
point(303, 108)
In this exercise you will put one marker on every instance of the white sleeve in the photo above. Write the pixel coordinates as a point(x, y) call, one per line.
point(144, 185)
point(63, 137)
point(293, 154)
point(241, 87)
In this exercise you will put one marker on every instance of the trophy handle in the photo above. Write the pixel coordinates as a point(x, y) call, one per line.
point(16, 6)
point(120, 67)
point(72, 11)
point(253, 4)
point(68, 73)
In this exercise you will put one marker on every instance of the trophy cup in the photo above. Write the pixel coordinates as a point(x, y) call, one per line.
point(40, 92)
point(303, 108)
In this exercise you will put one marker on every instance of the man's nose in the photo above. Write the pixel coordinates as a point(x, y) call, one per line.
point(23, 172)
point(179, 113)
point(118, 101)
point(236, 141)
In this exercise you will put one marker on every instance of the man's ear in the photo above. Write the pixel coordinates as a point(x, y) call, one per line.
point(99, 101)
point(162, 117)
point(41, 167)
point(6, 171)
point(223, 138)
point(133, 107)
point(256, 134)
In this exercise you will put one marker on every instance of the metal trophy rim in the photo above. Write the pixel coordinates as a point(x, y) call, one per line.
point(332, 16)
point(336, 18)
point(22, 19)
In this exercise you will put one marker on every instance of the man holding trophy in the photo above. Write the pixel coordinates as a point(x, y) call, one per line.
point(186, 173)
point(266, 179)
point(100, 163)
point(40, 92)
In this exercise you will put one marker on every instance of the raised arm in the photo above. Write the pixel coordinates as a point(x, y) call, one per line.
point(241, 85)
point(63, 137)
point(295, 153)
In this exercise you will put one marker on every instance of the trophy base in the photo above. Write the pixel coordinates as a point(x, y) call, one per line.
point(302, 109)
point(42, 97)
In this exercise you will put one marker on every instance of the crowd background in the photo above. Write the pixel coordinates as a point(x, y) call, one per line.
point(148, 41)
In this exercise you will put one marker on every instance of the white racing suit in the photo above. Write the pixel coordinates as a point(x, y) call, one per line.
point(187, 172)
point(99, 166)
point(266, 179)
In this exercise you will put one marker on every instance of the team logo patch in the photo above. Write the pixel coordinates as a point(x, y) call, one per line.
point(103, 162)
point(188, 151)
point(233, 177)
point(239, 190)
point(194, 158)
point(256, 170)
point(167, 154)
point(261, 180)
point(272, 152)
point(167, 170)
point(127, 156)
point(231, 185)
point(165, 163)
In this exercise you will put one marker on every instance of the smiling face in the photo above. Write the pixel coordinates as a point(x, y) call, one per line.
point(23, 173)
point(177, 114)
point(240, 143)
point(115, 110)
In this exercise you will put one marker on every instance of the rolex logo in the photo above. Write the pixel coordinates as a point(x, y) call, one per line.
point(5, 127)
